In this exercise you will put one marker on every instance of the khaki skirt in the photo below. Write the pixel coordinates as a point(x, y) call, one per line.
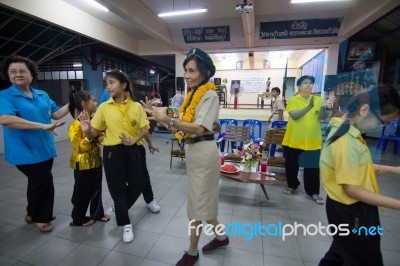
point(203, 171)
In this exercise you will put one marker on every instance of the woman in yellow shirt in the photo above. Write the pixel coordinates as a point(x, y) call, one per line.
point(348, 176)
point(86, 162)
point(303, 139)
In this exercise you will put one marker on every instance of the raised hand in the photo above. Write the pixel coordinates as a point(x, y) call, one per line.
point(160, 113)
point(148, 105)
point(331, 100)
point(311, 104)
point(84, 118)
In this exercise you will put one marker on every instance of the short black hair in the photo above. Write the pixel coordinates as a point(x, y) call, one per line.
point(300, 80)
point(276, 89)
point(33, 68)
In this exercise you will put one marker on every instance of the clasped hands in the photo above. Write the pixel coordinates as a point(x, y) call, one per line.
point(329, 102)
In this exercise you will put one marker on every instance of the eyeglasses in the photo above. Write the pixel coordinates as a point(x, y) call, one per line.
point(16, 72)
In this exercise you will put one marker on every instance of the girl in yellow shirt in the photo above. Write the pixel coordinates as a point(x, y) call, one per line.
point(86, 162)
point(349, 179)
point(122, 120)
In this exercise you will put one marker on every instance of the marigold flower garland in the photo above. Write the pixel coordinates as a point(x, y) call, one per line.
point(187, 114)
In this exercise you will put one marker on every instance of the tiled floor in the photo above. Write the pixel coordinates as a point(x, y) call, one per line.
point(160, 239)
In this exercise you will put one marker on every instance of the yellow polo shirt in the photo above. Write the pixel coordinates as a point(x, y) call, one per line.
point(127, 117)
point(345, 161)
point(304, 133)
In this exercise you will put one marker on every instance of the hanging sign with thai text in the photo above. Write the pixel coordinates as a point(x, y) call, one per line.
point(304, 28)
point(206, 34)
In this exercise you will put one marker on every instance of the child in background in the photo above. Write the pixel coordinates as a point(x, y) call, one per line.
point(86, 162)
point(278, 107)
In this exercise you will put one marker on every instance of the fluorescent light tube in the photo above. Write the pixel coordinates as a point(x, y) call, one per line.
point(314, 1)
point(183, 12)
point(100, 6)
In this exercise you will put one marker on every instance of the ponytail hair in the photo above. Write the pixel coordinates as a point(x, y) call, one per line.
point(122, 77)
point(382, 100)
point(76, 97)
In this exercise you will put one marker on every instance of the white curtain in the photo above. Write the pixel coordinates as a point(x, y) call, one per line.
point(315, 67)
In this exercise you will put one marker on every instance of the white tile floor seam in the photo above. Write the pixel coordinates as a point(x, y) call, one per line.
point(161, 239)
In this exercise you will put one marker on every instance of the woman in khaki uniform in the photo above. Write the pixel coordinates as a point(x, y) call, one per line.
point(198, 121)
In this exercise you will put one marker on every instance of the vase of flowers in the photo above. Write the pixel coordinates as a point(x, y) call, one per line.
point(250, 154)
point(247, 168)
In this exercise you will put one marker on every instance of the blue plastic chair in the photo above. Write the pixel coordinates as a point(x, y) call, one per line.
point(383, 140)
point(276, 124)
point(253, 124)
point(225, 122)
point(279, 124)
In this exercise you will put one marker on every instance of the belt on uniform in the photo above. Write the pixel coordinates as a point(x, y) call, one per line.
point(199, 138)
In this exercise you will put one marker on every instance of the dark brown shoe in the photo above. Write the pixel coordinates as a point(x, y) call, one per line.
point(214, 244)
point(187, 260)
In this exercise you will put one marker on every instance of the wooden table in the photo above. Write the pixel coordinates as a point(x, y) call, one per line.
point(255, 178)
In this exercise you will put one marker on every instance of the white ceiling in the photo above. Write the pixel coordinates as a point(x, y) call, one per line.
point(139, 19)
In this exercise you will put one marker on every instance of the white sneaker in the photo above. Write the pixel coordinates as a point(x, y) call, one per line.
point(153, 206)
point(128, 234)
point(110, 211)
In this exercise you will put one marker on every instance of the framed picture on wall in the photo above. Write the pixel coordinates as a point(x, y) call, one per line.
point(361, 51)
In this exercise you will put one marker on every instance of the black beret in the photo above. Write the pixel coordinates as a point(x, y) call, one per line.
point(204, 57)
point(300, 80)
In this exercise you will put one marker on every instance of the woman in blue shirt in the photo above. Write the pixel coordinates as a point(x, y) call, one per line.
point(26, 113)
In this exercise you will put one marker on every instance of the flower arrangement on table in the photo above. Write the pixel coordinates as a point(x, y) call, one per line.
point(250, 153)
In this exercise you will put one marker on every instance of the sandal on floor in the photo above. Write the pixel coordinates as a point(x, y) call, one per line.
point(288, 191)
point(105, 218)
point(317, 199)
point(28, 219)
point(44, 227)
point(87, 221)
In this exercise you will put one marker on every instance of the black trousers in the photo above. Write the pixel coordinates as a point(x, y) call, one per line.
point(307, 159)
point(147, 190)
point(124, 175)
point(40, 192)
point(87, 190)
point(354, 249)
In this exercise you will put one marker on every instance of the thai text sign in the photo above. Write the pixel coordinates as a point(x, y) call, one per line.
point(253, 84)
point(306, 28)
point(206, 34)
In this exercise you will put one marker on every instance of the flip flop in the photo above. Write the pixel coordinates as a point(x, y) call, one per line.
point(44, 227)
point(105, 218)
point(87, 221)
point(28, 219)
